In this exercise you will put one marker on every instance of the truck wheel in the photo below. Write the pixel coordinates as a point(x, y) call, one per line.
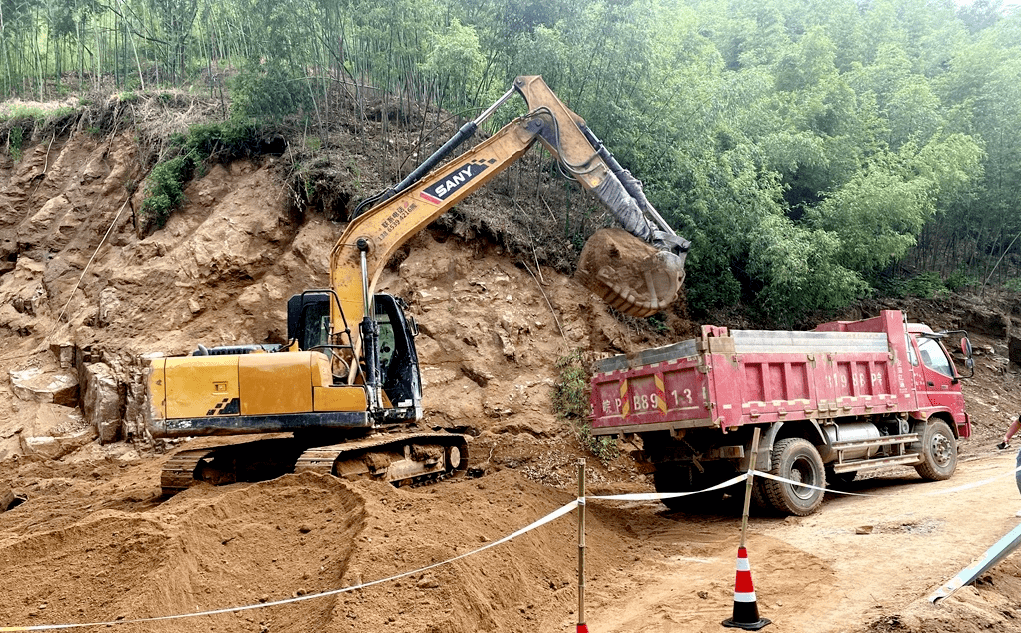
point(939, 451)
point(798, 460)
point(759, 495)
point(669, 478)
point(674, 478)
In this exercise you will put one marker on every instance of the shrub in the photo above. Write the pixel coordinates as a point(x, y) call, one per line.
point(571, 403)
point(164, 191)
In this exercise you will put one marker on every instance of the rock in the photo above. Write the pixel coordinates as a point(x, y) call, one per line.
point(979, 320)
point(36, 385)
point(57, 447)
point(64, 353)
point(1013, 349)
point(10, 499)
point(53, 432)
point(110, 307)
point(6, 498)
point(103, 401)
point(10, 448)
point(427, 582)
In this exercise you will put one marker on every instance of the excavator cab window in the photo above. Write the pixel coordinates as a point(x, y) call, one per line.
point(308, 320)
point(399, 365)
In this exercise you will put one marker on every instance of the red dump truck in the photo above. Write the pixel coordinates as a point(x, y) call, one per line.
point(849, 396)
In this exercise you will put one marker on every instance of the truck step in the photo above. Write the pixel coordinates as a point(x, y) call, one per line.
point(863, 465)
point(883, 440)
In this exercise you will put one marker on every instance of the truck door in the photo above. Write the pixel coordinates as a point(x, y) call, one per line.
point(936, 380)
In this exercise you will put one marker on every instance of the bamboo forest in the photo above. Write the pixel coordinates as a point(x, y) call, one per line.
point(815, 152)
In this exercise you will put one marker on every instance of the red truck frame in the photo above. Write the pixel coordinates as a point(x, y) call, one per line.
point(847, 397)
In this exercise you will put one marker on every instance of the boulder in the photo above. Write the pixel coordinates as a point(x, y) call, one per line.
point(38, 385)
point(55, 431)
point(103, 401)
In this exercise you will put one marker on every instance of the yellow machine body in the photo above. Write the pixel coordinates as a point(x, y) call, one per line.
point(268, 386)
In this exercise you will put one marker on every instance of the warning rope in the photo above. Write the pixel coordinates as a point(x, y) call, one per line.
point(556, 514)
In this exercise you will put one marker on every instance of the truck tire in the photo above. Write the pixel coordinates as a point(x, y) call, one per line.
point(798, 460)
point(939, 451)
point(671, 478)
point(759, 494)
point(675, 478)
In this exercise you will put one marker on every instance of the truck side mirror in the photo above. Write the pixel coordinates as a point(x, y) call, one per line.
point(970, 364)
point(966, 347)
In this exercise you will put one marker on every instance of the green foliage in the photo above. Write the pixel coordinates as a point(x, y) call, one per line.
point(571, 403)
point(455, 59)
point(164, 189)
point(960, 279)
point(571, 392)
point(269, 92)
point(926, 285)
point(15, 137)
point(807, 147)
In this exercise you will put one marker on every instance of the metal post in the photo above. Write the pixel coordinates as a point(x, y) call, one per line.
point(748, 483)
point(581, 628)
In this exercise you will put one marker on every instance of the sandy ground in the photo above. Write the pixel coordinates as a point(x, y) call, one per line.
point(857, 559)
point(95, 543)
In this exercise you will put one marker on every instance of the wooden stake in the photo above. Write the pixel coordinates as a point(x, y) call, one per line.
point(748, 483)
point(581, 545)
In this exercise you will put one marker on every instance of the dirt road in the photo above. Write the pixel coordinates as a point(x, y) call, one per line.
point(859, 558)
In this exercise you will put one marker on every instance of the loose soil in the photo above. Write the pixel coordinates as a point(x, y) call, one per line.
point(93, 541)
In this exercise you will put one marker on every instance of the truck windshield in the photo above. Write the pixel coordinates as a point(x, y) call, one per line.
point(934, 357)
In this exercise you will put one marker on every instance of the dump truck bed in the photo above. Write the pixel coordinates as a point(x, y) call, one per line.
point(727, 379)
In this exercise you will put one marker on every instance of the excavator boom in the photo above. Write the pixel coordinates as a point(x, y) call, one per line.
point(639, 272)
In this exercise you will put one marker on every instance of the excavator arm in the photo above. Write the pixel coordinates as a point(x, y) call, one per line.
point(639, 272)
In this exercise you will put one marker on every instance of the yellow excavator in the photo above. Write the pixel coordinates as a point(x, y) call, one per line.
point(351, 398)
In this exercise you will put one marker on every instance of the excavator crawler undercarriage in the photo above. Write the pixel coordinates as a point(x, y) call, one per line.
point(407, 459)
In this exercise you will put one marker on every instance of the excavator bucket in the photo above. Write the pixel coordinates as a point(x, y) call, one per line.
point(632, 276)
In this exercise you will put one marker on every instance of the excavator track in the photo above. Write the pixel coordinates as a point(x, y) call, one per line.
point(405, 459)
point(401, 459)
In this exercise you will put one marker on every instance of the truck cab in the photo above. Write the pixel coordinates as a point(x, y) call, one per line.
point(936, 378)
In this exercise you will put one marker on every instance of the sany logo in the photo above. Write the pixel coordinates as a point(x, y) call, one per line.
point(452, 182)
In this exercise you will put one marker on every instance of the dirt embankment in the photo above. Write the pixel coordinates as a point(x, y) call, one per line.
point(82, 296)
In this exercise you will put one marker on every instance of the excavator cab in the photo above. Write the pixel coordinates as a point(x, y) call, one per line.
point(308, 325)
point(399, 362)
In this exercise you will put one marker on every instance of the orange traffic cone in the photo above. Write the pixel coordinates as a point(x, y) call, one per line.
point(746, 614)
